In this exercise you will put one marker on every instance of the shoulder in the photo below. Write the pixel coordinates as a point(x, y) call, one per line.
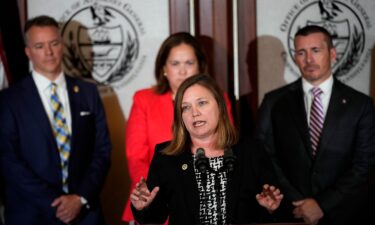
point(12, 93)
point(349, 91)
point(146, 93)
point(275, 94)
point(160, 159)
point(148, 97)
point(80, 84)
point(161, 146)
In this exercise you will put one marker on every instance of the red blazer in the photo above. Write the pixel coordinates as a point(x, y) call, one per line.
point(149, 123)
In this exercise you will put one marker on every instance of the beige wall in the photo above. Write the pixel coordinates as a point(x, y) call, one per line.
point(270, 65)
point(116, 189)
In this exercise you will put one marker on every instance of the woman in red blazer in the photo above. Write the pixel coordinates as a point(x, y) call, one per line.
point(150, 122)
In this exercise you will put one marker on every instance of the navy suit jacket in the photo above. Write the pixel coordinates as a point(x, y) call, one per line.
point(29, 158)
point(336, 178)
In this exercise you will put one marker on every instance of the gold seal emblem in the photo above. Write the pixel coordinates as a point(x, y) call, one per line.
point(184, 166)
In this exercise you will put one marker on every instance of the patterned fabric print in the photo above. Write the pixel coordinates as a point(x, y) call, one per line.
point(212, 193)
point(62, 135)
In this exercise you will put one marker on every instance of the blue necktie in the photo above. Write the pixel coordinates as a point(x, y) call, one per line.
point(61, 133)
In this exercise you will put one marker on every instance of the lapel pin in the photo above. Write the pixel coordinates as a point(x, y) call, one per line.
point(76, 89)
point(343, 101)
point(184, 166)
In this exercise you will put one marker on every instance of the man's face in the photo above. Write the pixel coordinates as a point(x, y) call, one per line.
point(313, 57)
point(44, 49)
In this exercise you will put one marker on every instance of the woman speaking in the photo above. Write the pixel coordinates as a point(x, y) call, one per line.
point(204, 175)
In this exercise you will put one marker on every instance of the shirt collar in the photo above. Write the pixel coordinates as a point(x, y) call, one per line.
point(326, 86)
point(44, 83)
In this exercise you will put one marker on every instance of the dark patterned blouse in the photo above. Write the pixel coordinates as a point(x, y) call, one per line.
point(212, 187)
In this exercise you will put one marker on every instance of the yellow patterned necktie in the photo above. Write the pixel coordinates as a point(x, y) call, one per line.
point(61, 133)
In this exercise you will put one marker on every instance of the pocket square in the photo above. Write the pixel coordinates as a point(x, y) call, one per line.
point(84, 113)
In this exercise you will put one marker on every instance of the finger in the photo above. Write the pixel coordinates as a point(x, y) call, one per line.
point(297, 214)
point(66, 219)
point(134, 197)
point(62, 214)
point(298, 203)
point(279, 197)
point(144, 191)
point(56, 202)
point(140, 182)
point(154, 192)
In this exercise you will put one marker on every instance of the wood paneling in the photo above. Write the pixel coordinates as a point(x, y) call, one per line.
point(213, 27)
point(179, 15)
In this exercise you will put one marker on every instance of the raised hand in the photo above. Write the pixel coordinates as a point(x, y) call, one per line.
point(141, 197)
point(270, 198)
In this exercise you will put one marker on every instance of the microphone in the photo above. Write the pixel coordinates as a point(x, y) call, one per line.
point(229, 160)
point(201, 161)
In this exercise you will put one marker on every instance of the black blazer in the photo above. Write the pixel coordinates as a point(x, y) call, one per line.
point(336, 178)
point(29, 158)
point(178, 196)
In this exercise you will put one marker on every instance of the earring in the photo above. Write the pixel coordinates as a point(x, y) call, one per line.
point(165, 74)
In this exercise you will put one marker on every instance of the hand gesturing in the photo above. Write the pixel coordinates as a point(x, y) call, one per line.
point(141, 197)
point(270, 197)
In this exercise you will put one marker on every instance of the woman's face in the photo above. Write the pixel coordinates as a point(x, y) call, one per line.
point(200, 113)
point(181, 64)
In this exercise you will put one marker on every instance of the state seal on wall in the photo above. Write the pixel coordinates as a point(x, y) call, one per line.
point(102, 43)
point(347, 25)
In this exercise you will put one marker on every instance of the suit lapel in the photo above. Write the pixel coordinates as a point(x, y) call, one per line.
point(335, 111)
point(296, 104)
point(33, 104)
point(189, 184)
point(74, 99)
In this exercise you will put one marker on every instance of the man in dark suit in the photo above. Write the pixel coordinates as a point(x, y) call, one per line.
point(321, 145)
point(54, 141)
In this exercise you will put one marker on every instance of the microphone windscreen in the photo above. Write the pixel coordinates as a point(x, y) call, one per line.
point(201, 162)
point(200, 153)
point(229, 159)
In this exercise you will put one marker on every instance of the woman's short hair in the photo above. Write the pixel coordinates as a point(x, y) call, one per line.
point(172, 41)
point(227, 133)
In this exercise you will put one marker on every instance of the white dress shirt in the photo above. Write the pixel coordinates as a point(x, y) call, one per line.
point(326, 87)
point(44, 89)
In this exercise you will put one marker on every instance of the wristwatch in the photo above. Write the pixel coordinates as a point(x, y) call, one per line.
point(84, 202)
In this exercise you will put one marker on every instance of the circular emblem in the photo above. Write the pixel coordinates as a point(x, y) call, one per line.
point(346, 28)
point(101, 43)
point(184, 166)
